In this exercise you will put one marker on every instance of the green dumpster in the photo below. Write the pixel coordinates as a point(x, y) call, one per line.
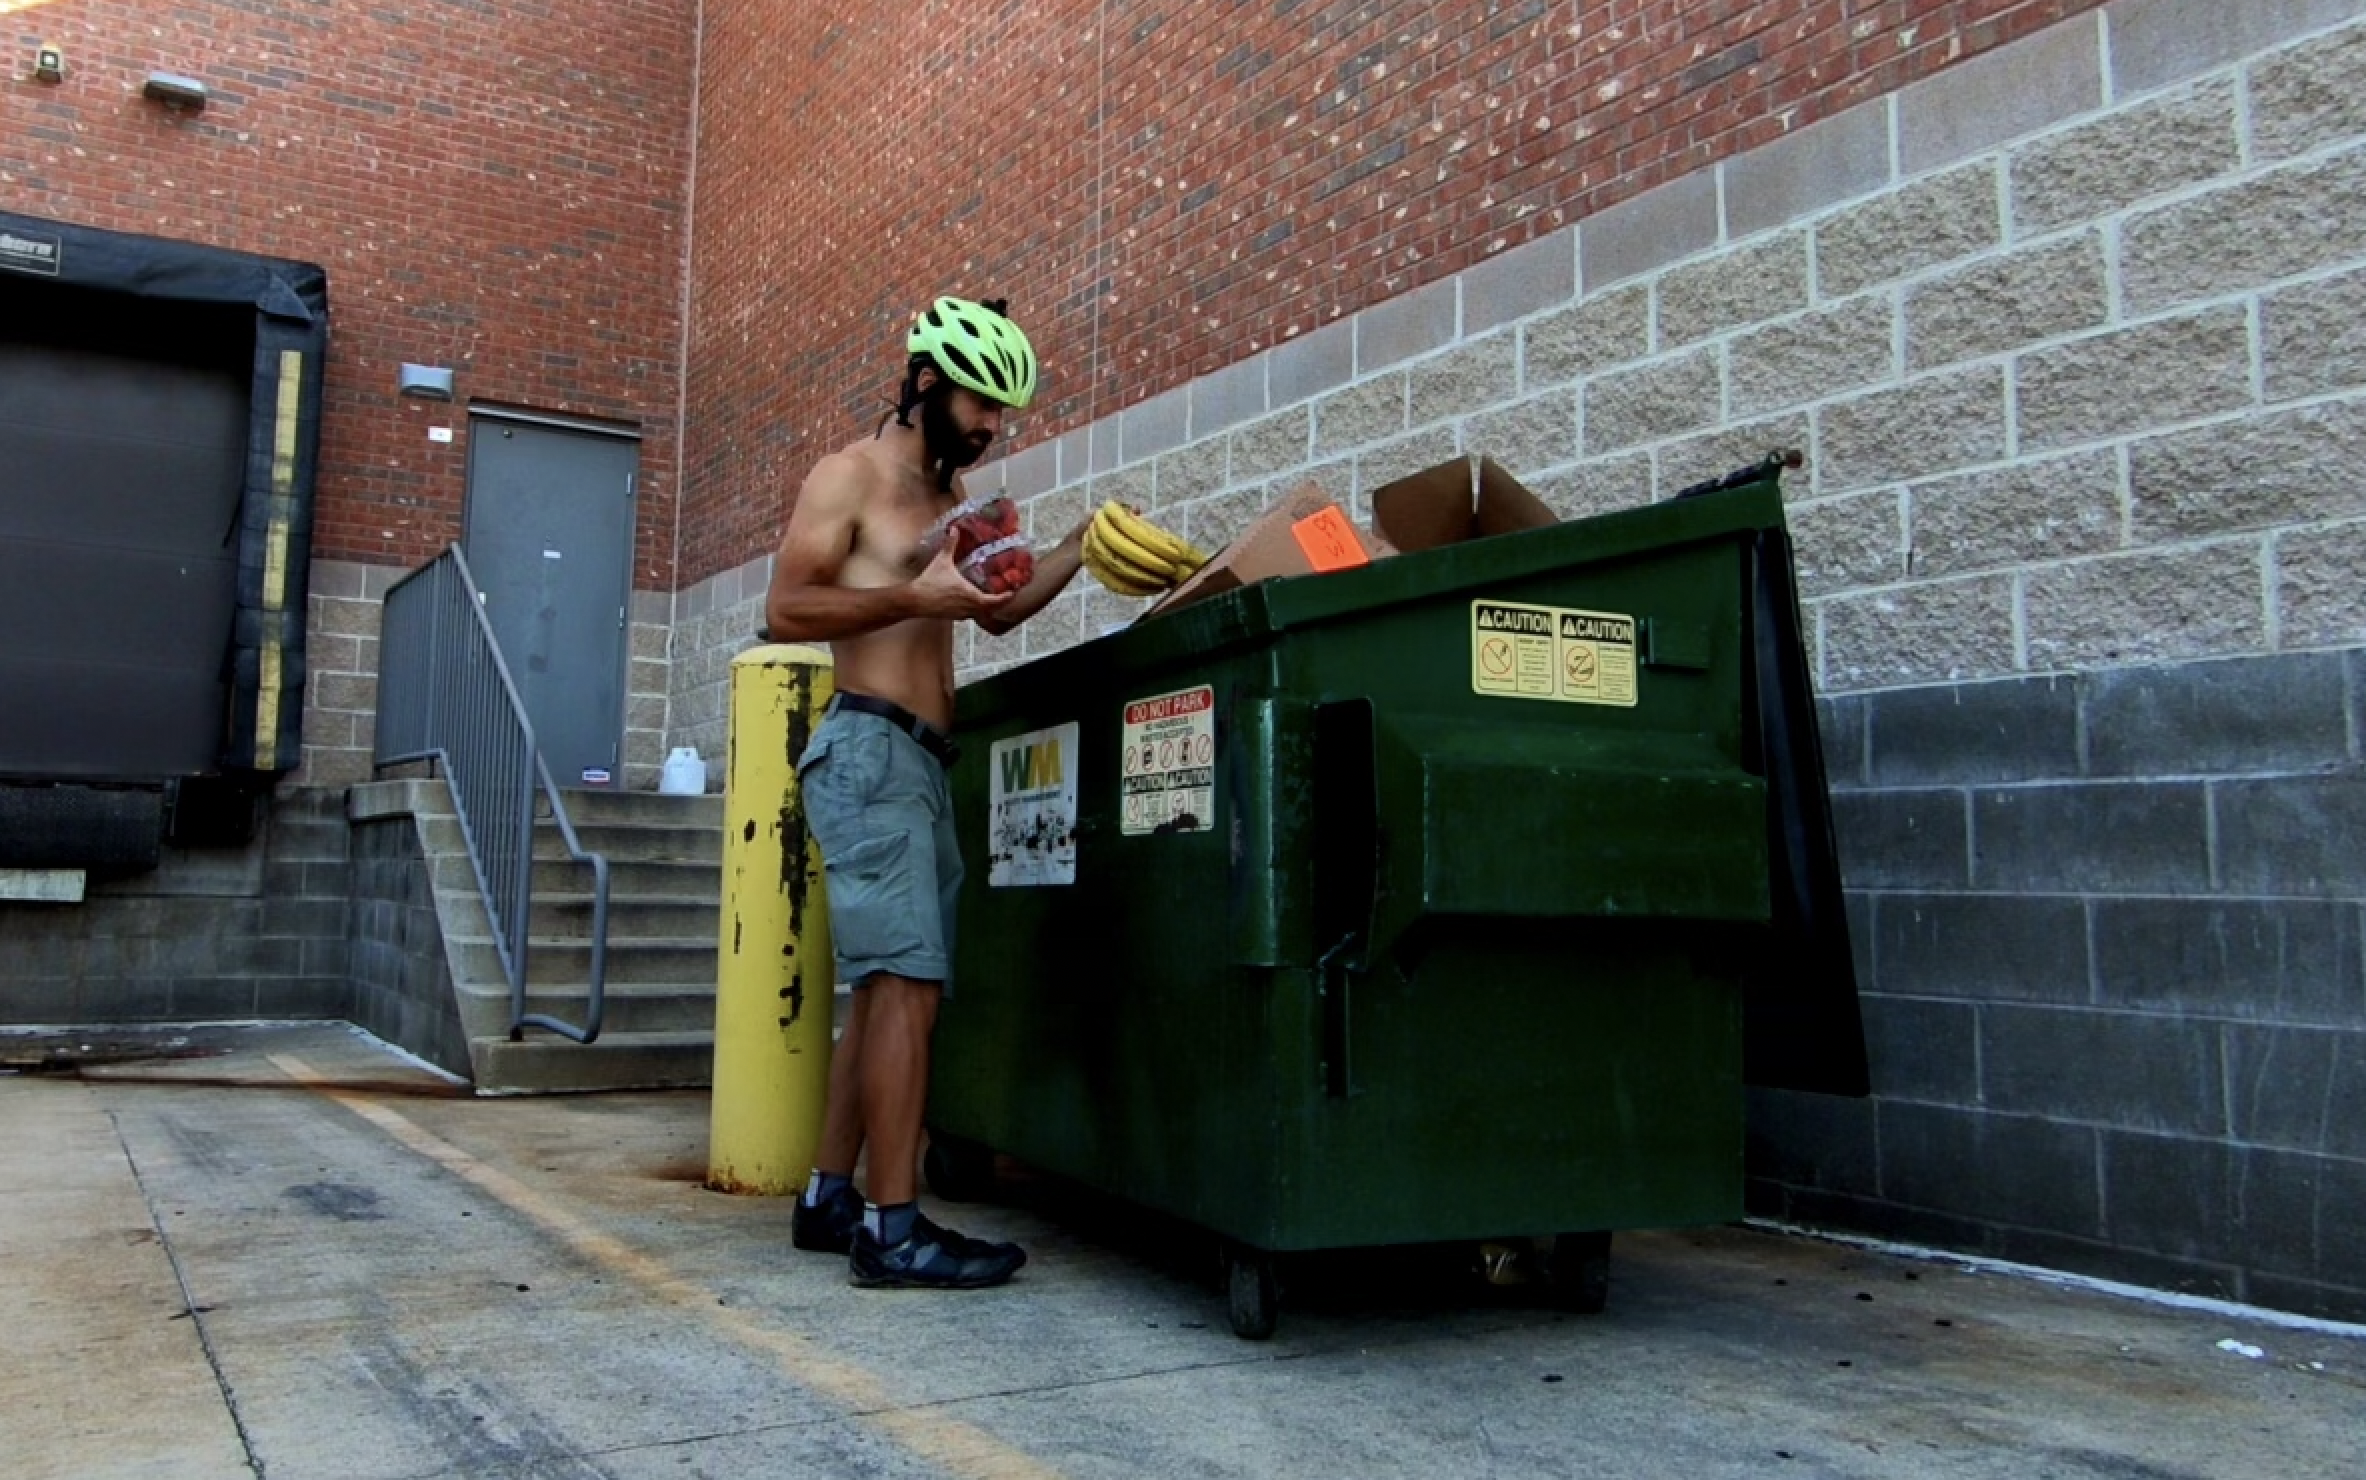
point(1453, 897)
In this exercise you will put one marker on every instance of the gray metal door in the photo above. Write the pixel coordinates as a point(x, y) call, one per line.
point(550, 537)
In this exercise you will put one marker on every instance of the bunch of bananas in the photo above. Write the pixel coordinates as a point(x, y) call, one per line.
point(1134, 557)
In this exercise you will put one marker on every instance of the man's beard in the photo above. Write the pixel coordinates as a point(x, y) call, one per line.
point(949, 449)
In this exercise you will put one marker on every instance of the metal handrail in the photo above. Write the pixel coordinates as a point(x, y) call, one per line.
point(445, 695)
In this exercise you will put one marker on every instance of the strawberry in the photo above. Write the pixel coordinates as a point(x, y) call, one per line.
point(982, 525)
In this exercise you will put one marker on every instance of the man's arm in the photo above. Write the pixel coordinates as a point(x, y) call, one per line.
point(1054, 569)
point(807, 604)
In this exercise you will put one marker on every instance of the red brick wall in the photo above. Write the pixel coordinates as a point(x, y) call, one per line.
point(498, 187)
point(501, 188)
point(1199, 180)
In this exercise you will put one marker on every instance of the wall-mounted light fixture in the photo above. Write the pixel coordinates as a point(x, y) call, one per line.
point(172, 88)
point(49, 63)
point(428, 382)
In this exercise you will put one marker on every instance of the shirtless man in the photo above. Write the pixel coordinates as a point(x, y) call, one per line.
point(873, 777)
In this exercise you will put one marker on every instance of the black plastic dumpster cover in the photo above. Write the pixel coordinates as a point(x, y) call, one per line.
point(1801, 1026)
point(265, 665)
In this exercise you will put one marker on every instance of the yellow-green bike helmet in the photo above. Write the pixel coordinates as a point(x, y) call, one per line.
point(973, 344)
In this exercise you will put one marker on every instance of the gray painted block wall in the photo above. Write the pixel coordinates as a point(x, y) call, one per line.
point(2111, 933)
point(216, 934)
point(402, 981)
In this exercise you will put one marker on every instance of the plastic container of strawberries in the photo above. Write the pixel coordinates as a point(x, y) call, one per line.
point(989, 544)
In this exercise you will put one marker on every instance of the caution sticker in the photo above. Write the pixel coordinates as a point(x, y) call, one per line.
point(1168, 763)
point(1520, 651)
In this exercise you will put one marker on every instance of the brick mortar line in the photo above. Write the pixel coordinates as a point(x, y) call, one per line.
point(2086, 1123)
point(2334, 769)
point(2228, 1140)
point(2081, 562)
point(2122, 442)
point(2246, 145)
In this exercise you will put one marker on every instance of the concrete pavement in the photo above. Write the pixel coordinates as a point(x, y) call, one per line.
point(289, 1252)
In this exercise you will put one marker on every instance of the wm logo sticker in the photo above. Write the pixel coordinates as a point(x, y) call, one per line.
point(1032, 767)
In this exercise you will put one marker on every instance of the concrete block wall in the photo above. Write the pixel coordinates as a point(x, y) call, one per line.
point(402, 983)
point(2071, 337)
point(714, 619)
point(346, 610)
point(214, 934)
point(2109, 933)
point(343, 613)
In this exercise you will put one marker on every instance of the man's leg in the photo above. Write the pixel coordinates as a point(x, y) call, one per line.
point(887, 902)
point(826, 1212)
point(842, 1113)
point(894, 1089)
point(896, 1246)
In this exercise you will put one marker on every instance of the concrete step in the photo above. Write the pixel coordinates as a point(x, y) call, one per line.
point(637, 806)
point(630, 916)
point(665, 886)
point(620, 842)
point(548, 1064)
point(560, 876)
point(627, 1007)
point(560, 962)
point(635, 842)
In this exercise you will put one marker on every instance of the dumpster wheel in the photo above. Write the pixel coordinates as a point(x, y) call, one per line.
point(1577, 1272)
point(958, 1171)
point(1253, 1290)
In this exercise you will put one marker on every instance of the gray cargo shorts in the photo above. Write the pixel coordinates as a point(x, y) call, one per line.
point(882, 812)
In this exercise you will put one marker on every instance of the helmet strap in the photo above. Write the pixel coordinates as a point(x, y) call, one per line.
point(908, 399)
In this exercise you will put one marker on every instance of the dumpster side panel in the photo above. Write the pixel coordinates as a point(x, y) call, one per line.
point(1532, 1024)
point(1514, 1078)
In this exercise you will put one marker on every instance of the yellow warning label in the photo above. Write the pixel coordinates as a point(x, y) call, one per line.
point(1520, 651)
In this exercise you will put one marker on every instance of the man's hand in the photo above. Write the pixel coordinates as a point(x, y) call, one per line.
point(942, 591)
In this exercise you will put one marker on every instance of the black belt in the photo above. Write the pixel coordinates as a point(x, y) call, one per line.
point(933, 740)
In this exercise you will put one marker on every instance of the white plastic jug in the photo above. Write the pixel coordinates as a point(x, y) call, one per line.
point(685, 775)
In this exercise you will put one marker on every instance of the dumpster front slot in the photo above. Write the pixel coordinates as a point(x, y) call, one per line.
point(1267, 747)
point(1539, 822)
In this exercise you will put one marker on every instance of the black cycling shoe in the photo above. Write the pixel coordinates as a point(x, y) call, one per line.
point(932, 1258)
point(828, 1227)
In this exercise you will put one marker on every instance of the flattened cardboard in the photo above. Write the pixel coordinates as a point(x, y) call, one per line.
point(1266, 549)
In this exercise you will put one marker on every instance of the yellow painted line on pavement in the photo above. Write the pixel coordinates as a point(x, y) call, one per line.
point(960, 1448)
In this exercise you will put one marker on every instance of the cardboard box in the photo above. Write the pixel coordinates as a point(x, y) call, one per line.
point(1307, 531)
point(1455, 501)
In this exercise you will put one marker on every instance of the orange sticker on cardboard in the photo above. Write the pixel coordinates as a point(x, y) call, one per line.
point(1329, 541)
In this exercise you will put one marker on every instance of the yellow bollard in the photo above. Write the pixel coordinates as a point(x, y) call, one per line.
point(775, 985)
